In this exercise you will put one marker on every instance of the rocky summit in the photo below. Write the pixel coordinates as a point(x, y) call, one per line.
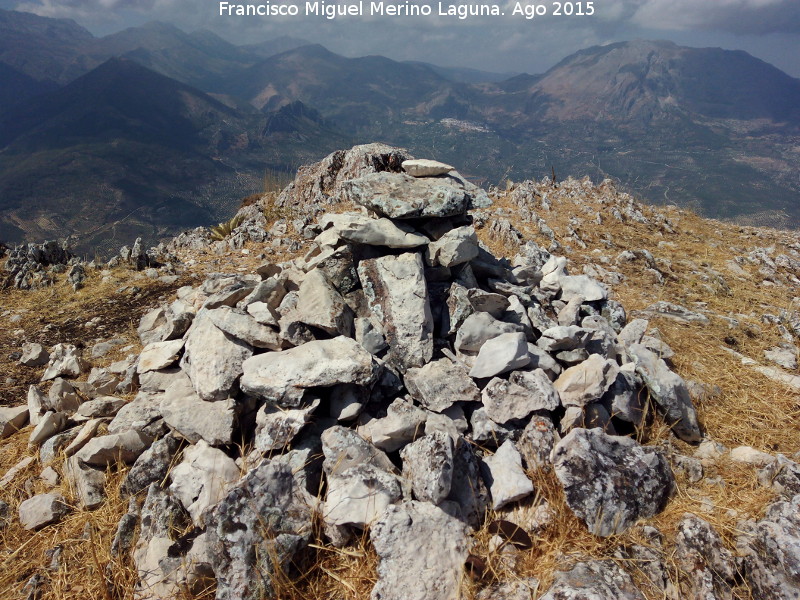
point(397, 385)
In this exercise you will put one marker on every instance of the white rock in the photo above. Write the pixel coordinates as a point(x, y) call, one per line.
point(64, 360)
point(505, 477)
point(212, 359)
point(423, 167)
point(543, 395)
point(42, 510)
point(506, 352)
point(196, 419)
point(202, 479)
point(12, 419)
point(422, 551)
point(34, 355)
point(505, 401)
point(397, 295)
point(116, 447)
point(428, 464)
point(587, 381)
point(50, 424)
point(440, 384)
point(319, 304)
point(159, 355)
point(104, 406)
point(359, 495)
point(282, 377)
point(18, 468)
point(751, 456)
point(455, 247)
point(87, 432)
point(381, 232)
point(276, 427)
point(478, 328)
point(403, 423)
point(88, 483)
point(37, 404)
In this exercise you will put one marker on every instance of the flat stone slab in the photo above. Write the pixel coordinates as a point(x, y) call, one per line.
point(424, 167)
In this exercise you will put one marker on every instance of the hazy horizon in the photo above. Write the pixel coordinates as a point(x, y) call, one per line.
point(767, 29)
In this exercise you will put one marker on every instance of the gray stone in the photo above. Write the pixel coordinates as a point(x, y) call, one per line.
point(64, 360)
point(423, 167)
point(319, 304)
point(86, 432)
point(141, 414)
point(674, 312)
point(263, 313)
point(276, 427)
point(50, 477)
point(587, 381)
point(782, 475)
point(114, 448)
point(627, 397)
point(751, 456)
point(422, 551)
point(104, 406)
point(524, 589)
point(34, 355)
point(12, 419)
point(62, 397)
point(669, 392)
point(400, 196)
point(467, 488)
point(397, 296)
point(87, 483)
point(428, 464)
point(455, 247)
point(257, 527)
point(440, 384)
point(784, 357)
point(506, 401)
point(505, 477)
point(703, 558)
point(152, 466)
point(358, 495)
point(104, 382)
point(18, 468)
point(196, 419)
point(505, 352)
point(42, 510)
point(537, 441)
point(563, 338)
point(212, 359)
point(202, 479)
point(543, 396)
point(370, 336)
point(37, 404)
point(478, 328)
point(161, 519)
point(633, 332)
point(51, 448)
point(347, 401)
point(595, 580)
point(158, 355)
point(486, 431)
point(403, 423)
point(282, 377)
point(771, 551)
point(610, 482)
point(125, 534)
point(381, 232)
point(50, 424)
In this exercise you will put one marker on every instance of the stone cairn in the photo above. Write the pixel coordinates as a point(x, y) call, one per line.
point(398, 377)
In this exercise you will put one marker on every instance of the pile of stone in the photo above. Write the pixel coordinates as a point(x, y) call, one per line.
point(397, 378)
point(31, 266)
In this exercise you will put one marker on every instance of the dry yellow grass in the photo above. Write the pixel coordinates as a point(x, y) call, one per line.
point(750, 409)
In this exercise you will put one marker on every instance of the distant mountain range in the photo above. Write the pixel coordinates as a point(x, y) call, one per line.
point(151, 130)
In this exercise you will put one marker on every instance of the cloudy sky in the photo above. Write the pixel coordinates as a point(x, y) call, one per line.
point(768, 29)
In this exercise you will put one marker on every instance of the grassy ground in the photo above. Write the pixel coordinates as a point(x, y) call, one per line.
point(749, 410)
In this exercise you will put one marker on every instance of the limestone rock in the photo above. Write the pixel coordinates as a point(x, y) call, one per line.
point(37, 404)
point(50, 424)
point(609, 481)
point(506, 401)
point(478, 328)
point(103, 406)
point(260, 524)
point(282, 377)
point(669, 392)
point(440, 384)
point(403, 423)
point(397, 295)
point(42, 510)
point(87, 482)
point(320, 304)
point(152, 466)
point(12, 419)
point(86, 433)
point(276, 428)
point(771, 551)
point(595, 580)
point(505, 352)
point(400, 196)
point(704, 559)
point(782, 475)
point(422, 550)
point(381, 232)
point(543, 396)
point(158, 355)
point(428, 464)
point(423, 167)
point(359, 495)
point(34, 355)
point(455, 247)
point(202, 479)
point(587, 381)
point(114, 448)
point(212, 359)
point(64, 360)
point(505, 477)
